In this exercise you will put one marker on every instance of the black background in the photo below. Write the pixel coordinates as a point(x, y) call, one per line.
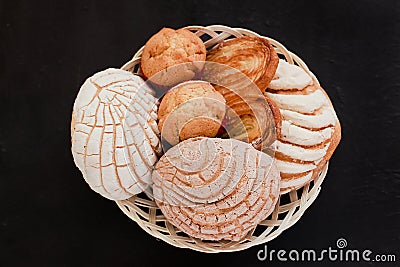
point(50, 217)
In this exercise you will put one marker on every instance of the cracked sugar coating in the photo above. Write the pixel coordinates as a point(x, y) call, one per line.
point(114, 134)
point(215, 189)
point(310, 129)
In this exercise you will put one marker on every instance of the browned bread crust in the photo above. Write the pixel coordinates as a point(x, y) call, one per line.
point(190, 109)
point(256, 58)
point(168, 48)
point(277, 122)
point(253, 56)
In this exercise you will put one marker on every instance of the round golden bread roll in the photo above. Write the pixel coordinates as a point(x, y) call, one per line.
point(215, 189)
point(190, 109)
point(172, 56)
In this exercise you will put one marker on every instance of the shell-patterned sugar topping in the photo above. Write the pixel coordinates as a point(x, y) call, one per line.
point(310, 128)
point(115, 138)
point(215, 189)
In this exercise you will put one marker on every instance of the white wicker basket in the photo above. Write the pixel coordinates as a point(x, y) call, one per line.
point(290, 207)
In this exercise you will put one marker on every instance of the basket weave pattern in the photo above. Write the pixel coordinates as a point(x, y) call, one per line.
point(290, 207)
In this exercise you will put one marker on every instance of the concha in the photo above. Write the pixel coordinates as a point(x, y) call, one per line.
point(310, 130)
point(114, 133)
point(215, 189)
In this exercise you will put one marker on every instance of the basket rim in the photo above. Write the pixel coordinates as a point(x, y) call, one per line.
point(123, 205)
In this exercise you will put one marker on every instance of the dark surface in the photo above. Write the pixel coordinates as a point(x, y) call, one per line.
point(50, 217)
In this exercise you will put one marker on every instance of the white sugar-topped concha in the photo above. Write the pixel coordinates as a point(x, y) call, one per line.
point(309, 125)
point(115, 139)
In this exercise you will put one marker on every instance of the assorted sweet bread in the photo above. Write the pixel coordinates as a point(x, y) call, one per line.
point(213, 136)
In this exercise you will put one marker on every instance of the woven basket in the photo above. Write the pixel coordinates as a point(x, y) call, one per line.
point(289, 208)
